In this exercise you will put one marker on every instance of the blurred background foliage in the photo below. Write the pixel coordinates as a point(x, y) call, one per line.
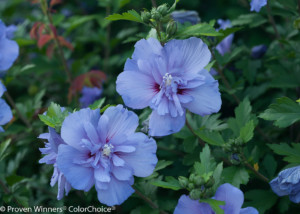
point(36, 80)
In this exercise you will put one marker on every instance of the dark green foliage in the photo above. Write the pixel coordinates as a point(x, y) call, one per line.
point(239, 145)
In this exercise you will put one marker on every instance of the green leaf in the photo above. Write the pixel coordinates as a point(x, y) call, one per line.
point(284, 112)
point(190, 143)
point(55, 116)
point(211, 122)
point(161, 164)
point(130, 15)
point(13, 179)
point(217, 175)
point(260, 199)
point(210, 65)
point(270, 165)
point(27, 67)
point(252, 19)
point(236, 175)
point(292, 153)
point(243, 111)
point(97, 104)
point(207, 164)
point(242, 116)
point(170, 183)
point(3, 147)
point(106, 107)
point(214, 204)
point(173, 7)
point(210, 137)
point(76, 21)
point(202, 29)
point(226, 32)
point(246, 133)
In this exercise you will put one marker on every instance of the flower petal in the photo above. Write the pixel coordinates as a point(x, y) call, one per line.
point(275, 185)
point(143, 160)
point(190, 55)
point(249, 210)
point(102, 175)
point(232, 196)
point(9, 51)
point(80, 177)
point(116, 193)
point(5, 113)
point(73, 131)
point(117, 161)
point(2, 89)
point(207, 98)
point(187, 205)
point(256, 5)
point(121, 121)
point(161, 125)
point(122, 173)
point(137, 89)
point(144, 49)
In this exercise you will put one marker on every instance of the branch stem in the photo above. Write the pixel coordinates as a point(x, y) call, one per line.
point(148, 201)
point(192, 130)
point(57, 43)
point(272, 21)
point(107, 46)
point(224, 79)
point(154, 3)
point(12, 103)
point(259, 175)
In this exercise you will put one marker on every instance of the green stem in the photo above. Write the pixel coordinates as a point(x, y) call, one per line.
point(192, 130)
point(12, 103)
point(149, 201)
point(107, 46)
point(56, 40)
point(154, 3)
point(259, 175)
point(224, 79)
point(272, 21)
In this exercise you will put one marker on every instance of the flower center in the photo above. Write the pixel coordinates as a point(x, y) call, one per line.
point(168, 90)
point(167, 79)
point(107, 149)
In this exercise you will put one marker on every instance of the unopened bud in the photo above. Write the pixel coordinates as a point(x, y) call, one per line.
point(146, 16)
point(155, 14)
point(210, 182)
point(183, 181)
point(192, 177)
point(171, 28)
point(195, 194)
point(163, 9)
point(199, 180)
point(191, 186)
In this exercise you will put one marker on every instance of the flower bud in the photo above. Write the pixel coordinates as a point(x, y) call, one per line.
point(195, 194)
point(199, 180)
point(183, 181)
point(163, 9)
point(209, 193)
point(146, 16)
point(155, 14)
point(191, 186)
point(192, 177)
point(210, 182)
point(171, 28)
